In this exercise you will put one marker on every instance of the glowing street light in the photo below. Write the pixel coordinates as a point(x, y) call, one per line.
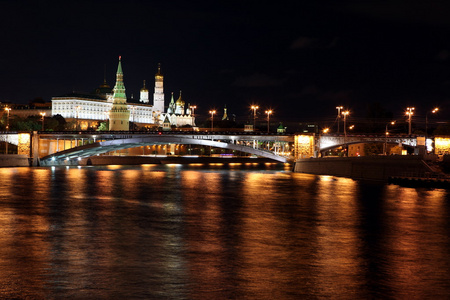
point(386, 133)
point(409, 113)
point(435, 110)
point(77, 108)
point(193, 108)
point(345, 114)
point(268, 112)
point(254, 107)
point(212, 112)
point(339, 115)
point(326, 130)
point(7, 109)
point(42, 119)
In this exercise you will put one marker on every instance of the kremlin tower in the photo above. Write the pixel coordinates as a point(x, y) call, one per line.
point(119, 115)
point(158, 96)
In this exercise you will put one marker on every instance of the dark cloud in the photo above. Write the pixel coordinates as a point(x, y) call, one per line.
point(293, 55)
point(443, 55)
point(257, 80)
point(420, 11)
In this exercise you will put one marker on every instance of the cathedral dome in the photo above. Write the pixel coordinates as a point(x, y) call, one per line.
point(180, 101)
point(144, 89)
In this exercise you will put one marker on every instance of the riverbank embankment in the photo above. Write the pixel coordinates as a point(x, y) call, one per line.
point(365, 167)
point(14, 160)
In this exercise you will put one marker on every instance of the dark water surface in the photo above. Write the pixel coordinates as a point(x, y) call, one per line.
point(238, 232)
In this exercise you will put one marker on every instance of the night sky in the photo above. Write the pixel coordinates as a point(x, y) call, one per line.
point(301, 60)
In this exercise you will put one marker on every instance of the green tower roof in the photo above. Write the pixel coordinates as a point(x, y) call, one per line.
point(119, 88)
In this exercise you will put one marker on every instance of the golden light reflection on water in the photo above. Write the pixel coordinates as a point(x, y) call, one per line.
point(414, 247)
point(338, 240)
point(203, 193)
point(188, 233)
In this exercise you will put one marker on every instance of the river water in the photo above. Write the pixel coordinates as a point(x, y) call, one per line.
point(218, 232)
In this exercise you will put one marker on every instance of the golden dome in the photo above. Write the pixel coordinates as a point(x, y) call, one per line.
point(144, 89)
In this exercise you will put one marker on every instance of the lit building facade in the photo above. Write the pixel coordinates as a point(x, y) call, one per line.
point(112, 104)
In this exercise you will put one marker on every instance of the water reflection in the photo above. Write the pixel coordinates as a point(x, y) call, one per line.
point(217, 232)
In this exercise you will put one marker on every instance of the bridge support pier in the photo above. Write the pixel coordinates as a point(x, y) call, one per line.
point(34, 155)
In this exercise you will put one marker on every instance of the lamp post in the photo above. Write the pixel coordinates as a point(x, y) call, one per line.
point(268, 112)
point(254, 107)
point(77, 108)
point(212, 112)
point(7, 109)
point(345, 114)
point(386, 133)
point(42, 119)
point(435, 110)
point(131, 125)
point(339, 115)
point(409, 113)
point(193, 108)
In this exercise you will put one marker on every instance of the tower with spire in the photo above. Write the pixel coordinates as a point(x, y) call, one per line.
point(158, 96)
point(171, 108)
point(225, 115)
point(179, 110)
point(144, 94)
point(119, 115)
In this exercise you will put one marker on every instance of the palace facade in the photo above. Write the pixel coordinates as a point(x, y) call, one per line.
point(104, 104)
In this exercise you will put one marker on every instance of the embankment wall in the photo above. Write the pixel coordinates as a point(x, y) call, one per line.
point(365, 167)
point(14, 160)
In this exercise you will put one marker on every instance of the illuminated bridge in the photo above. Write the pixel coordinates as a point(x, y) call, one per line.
point(48, 148)
point(70, 147)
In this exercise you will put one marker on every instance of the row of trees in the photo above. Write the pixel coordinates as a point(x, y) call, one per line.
point(34, 123)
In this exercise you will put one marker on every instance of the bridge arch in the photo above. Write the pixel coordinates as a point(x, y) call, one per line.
point(322, 149)
point(329, 142)
point(118, 144)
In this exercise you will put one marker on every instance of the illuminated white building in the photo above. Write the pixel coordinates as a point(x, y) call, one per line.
point(90, 109)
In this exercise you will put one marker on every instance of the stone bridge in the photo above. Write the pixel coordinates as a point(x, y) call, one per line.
point(56, 148)
point(88, 150)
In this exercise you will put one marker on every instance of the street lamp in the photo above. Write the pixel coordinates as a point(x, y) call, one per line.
point(268, 112)
point(193, 108)
point(409, 113)
point(386, 133)
point(131, 126)
point(339, 115)
point(212, 112)
point(435, 110)
point(42, 119)
point(77, 108)
point(254, 107)
point(7, 109)
point(7, 126)
point(345, 114)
